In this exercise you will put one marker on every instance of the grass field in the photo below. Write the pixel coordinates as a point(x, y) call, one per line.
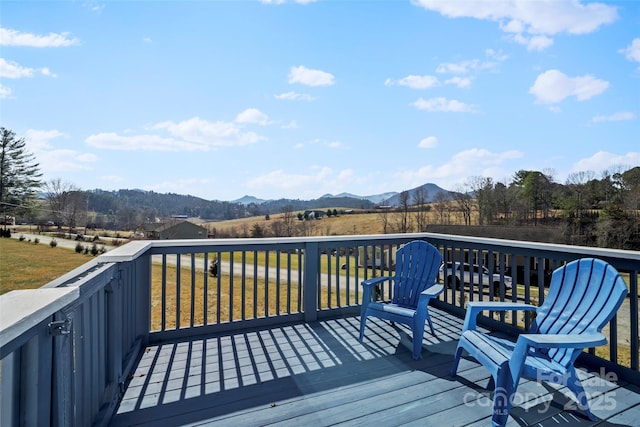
point(25, 265)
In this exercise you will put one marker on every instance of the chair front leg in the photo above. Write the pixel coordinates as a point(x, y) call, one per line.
point(575, 385)
point(502, 396)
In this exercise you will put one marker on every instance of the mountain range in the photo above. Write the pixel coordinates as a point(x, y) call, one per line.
point(390, 198)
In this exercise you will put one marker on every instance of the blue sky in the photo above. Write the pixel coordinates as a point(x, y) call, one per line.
point(296, 99)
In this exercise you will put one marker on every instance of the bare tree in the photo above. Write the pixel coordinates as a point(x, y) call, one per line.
point(383, 215)
point(288, 218)
point(464, 201)
point(441, 200)
point(402, 222)
point(420, 197)
point(577, 182)
point(66, 201)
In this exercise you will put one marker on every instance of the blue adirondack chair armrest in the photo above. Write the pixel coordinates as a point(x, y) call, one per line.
point(370, 283)
point(375, 280)
point(525, 341)
point(431, 292)
point(563, 340)
point(475, 307)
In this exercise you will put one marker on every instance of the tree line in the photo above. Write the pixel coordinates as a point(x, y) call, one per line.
point(590, 211)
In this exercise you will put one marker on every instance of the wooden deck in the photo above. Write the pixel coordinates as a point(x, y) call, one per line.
point(318, 374)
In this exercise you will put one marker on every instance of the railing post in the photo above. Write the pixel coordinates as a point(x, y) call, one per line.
point(9, 383)
point(35, 381)
point(142, 283)
point(310, 284)
point(114, 301)
point(62, 398)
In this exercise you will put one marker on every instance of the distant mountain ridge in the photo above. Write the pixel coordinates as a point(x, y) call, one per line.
point(389, 198)
point(140, 205)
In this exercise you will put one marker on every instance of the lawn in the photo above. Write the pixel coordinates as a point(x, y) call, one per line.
point(26, 265)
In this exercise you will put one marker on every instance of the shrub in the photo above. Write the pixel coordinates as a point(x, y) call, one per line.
point(79, 248)
point(53, 243)
point(36, 241)
point(94, 249)
point(21, 238)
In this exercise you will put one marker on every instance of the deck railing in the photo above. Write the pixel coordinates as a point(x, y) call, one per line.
point(66, 349)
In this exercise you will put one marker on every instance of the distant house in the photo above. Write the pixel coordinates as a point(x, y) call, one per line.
point(175, 230)
point(313, 214)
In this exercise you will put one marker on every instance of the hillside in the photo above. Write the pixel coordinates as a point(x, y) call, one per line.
point(150, 205)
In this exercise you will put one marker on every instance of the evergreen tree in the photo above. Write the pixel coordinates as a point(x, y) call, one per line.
point(19, 175)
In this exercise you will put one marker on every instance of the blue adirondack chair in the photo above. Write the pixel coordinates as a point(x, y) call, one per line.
point(583, 296)
point(414, 284)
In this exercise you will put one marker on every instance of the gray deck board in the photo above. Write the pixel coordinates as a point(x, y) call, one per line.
point(319, 374)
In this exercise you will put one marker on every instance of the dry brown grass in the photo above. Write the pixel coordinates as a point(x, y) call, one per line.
point(25, 265)
point(345, 224)
point(227, 298)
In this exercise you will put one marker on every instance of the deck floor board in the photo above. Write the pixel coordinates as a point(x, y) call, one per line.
point(319, 374)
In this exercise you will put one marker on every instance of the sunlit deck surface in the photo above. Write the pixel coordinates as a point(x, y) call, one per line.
point(318, 374)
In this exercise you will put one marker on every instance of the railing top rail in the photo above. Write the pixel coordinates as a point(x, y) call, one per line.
point(22, 310)
point(134, 249)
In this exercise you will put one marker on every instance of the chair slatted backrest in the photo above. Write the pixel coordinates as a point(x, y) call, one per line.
point(583, 297)
point(417, 264)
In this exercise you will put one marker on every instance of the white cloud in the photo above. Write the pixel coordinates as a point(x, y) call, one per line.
point(210, 134)
point(468, 66)
point(113, 141)
point(462, 67)
point(93, 5)
point(309, 77)
point(461, 82)
point(5, 92)
point(616, 117)
point(553, 86)
point(530, 22)
point(428, 142)
point(252, 115)
point(294, 96)
point(443, 104)
point(13, 70)
point(194, 134)
point(147, 39)
point(539, 43)
point(40, 139)
point(603, 160)
point(16, 38)
point(497, 55)
point(53, 159)
point(472, 162)
point(281, 182)
point(632, 52)
point(415, 82)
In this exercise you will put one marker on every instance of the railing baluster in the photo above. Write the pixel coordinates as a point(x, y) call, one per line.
point(178, 287)
point(164, 293)
point(193, 289)
point(205, 290)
